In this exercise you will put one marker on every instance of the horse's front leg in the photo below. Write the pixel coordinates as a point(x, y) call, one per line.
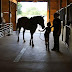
point(23, 35)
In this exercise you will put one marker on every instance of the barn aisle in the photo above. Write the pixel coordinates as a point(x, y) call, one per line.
point(21, 57)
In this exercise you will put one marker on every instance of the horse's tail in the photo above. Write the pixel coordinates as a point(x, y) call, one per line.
point(17, 26)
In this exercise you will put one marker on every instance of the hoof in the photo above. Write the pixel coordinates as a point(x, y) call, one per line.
point(24, 41)
point(32, 45)
point(17, 40)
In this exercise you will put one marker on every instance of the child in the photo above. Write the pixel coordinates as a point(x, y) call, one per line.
point(46, 35)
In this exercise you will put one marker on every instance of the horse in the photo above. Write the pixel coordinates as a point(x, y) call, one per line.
point(29, 24)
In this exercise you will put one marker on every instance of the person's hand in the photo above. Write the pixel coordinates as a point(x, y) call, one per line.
point(38, 30)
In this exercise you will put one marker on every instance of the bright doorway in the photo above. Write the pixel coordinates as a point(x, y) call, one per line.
point(30, 9)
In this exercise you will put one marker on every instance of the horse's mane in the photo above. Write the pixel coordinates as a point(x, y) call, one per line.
point(36, 16)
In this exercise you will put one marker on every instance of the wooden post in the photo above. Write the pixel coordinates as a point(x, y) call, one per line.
point(49, 8)
point(47, 11)
point(9, 12)
point(9, 18)
point(0, 11)
point(60, 4)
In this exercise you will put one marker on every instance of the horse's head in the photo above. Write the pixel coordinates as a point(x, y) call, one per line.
point(41, 21)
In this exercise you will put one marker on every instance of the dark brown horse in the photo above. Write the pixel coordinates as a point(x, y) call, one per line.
point(29, 24)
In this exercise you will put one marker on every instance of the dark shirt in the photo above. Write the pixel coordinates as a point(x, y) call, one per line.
point(57, 26)
point(48, 30)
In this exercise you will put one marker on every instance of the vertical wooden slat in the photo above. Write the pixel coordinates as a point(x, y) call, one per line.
point(60, 4)
point(49, 8)
point(9, 12)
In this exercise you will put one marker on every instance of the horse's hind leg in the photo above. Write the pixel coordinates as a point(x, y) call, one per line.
point(23, 35)
point(18, 34)
point(30, 41)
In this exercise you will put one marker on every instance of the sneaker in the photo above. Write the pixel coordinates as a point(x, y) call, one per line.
point(53, 49)
point(57, 50)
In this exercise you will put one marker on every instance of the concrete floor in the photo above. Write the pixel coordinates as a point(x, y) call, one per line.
point(21, 57)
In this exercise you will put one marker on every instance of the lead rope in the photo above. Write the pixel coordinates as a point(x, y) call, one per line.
point(40, 35)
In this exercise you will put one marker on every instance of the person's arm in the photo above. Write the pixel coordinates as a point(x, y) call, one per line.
point(52, 25)
point(59, 28)
point(42, 30)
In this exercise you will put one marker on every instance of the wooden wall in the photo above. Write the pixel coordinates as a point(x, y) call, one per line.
point(5, 8)
point(0, 11)
point(12, 9)
point(69, 1)
point(63, 3)
point(13, 12)
point(54, 6)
